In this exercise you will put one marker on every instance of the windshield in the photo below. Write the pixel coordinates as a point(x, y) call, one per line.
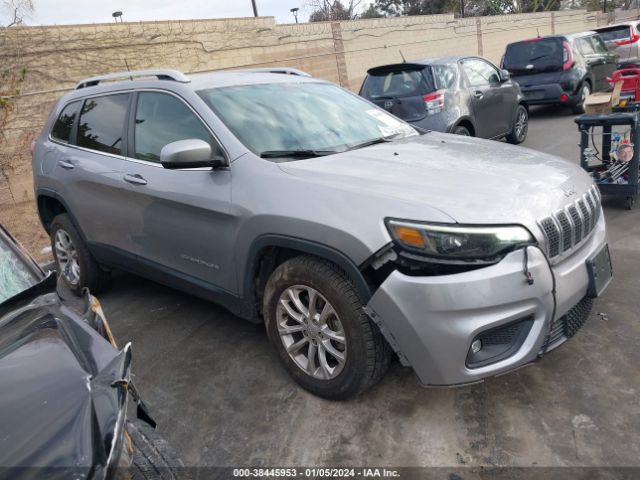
point(304, 117)
point(15, 275)
point(534, 55)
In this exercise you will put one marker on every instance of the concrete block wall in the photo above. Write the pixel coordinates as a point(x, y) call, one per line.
point(38, 64)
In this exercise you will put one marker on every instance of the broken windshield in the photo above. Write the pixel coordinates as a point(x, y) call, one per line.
point(15, 275)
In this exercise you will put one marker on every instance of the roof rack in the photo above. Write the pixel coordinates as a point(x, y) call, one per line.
point(281, 70)
point(173, 75)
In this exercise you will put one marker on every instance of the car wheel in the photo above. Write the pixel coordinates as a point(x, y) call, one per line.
point(460, 130)
point(585, 91)
point(153, 458)
point(74, 263)
point(520, 126)
point(316, 323)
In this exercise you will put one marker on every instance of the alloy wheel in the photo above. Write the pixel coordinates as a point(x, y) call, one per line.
point(311, 332)
point(522, 124)
point(67, 257)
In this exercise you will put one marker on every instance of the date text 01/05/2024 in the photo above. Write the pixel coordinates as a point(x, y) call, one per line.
point(315, 473)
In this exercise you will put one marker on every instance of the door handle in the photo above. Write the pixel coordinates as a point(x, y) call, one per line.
point(66, 164)
point(478, 94)
point(135, 179)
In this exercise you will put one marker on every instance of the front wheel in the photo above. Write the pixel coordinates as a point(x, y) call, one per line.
point(316, 323)
point(520, 126)
point(460, 130)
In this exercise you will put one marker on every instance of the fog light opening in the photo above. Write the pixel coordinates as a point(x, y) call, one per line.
point(476, 346)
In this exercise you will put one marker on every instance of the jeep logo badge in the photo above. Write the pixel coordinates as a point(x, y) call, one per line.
point(568, 191)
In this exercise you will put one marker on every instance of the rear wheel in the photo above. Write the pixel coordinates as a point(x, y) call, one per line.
point(585, 91)
point(74, 263)
point(520, 126)
point(317, 325)
point(461, 130)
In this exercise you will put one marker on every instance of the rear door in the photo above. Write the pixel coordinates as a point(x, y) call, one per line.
point(399, 89)
point(88, 140)
point(180, 221)
point(493, 102)
point(601, 61)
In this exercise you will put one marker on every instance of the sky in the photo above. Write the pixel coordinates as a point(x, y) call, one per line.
point(50, 12)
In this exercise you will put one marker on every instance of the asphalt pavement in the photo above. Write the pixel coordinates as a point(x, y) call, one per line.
point(221, 398)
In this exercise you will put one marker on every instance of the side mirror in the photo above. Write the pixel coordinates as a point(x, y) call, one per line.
point(504, 75)
point(191, 153)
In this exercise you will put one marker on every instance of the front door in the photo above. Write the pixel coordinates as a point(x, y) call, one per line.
point(492, 101)
point(180, 221)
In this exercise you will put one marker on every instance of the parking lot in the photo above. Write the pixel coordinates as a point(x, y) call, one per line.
point(221, 398)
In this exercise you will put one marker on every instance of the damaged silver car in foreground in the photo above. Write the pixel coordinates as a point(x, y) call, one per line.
point(349, 233)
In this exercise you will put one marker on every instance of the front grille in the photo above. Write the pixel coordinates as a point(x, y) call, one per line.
point(568, 228)
point(568, 325)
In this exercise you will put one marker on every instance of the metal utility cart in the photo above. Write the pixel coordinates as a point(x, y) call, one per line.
point(613, 176)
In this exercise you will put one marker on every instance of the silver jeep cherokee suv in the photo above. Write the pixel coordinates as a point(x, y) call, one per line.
point(350, 234)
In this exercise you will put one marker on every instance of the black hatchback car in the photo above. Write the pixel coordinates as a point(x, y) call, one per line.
point(466, 95)
point(560, 69)
point(65, 386)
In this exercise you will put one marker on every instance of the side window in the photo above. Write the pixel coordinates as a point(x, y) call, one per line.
point(480, 73)
point(585, 46)
point(598, 44)
point(101, 123)
point(62, 128)
point(161, 119)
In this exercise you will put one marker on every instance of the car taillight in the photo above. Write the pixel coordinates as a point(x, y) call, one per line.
point(634, 37)
point(434, 102)
point(567, 56)
point(32, 148)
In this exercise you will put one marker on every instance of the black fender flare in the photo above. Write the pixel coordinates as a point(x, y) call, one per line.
point(304, 246)
point(47, 192)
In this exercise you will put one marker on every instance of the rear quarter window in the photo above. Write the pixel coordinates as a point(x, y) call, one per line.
point(61, 130)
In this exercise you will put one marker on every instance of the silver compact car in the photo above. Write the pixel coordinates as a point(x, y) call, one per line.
point(350, 234)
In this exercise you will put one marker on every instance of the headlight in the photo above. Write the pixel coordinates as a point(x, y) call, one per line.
point(458, 242)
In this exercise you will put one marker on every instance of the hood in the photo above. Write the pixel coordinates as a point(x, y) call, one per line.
point(473, 181)
point(58, 407)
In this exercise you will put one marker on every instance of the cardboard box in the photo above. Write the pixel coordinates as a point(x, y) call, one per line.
point(603, 102)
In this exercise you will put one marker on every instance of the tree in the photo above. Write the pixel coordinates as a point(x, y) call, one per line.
point(371, 12)
point(330, 10)
point(15, 12)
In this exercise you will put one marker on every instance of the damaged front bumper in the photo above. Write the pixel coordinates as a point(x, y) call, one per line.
point(432, 322)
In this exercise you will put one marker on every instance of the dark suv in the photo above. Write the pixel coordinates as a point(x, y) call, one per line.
point(560, 69)
point(462, 95)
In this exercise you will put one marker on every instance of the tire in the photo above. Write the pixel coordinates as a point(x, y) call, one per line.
point(365, 353)
point(460, 130)
point(73, 261)
point(153, 458)
point(520, 126)
point(585, 91)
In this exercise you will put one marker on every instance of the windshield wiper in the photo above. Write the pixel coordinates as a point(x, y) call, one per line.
point(368, 143)
point(296, 153)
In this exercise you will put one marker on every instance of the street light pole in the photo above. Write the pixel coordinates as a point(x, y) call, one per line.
point(462, 8)
point(295, 13)
point(255, 9)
